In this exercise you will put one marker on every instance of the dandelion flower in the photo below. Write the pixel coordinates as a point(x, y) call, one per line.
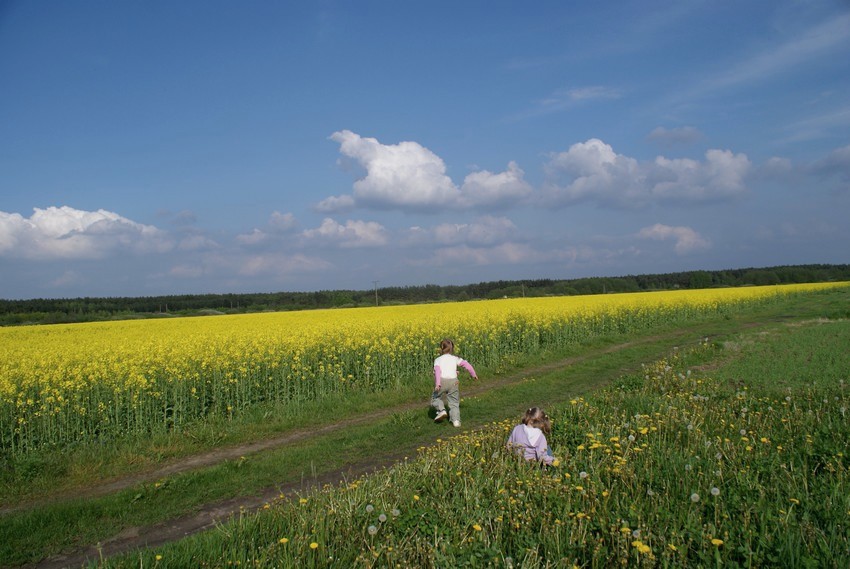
point(694, 497)
point(382, 518)
point(717, 542)
point(582, 474)
point(715, 491)
point(159, 557)
point(372, 530)
point(396, 512)
point(415, 497)
point(284, 540)
point(476, 527)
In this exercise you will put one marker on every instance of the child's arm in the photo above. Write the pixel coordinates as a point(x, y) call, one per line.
point(438, 374)
point(468, 367)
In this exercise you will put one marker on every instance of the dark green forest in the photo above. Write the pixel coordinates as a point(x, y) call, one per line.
point(53, 311)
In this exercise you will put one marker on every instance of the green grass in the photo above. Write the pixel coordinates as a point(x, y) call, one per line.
point(32, 534)
point(677, 465)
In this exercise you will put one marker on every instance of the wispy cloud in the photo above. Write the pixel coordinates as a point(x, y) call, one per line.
point(564, 99)
point(818, 41)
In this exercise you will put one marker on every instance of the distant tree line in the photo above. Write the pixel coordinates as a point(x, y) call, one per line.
point(52, 311)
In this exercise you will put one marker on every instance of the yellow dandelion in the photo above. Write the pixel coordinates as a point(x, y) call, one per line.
point(314, 545)
point(284, 540)
point(476, 527)
point(717, 542)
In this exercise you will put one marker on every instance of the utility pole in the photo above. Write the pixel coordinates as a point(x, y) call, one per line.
point(376, 292)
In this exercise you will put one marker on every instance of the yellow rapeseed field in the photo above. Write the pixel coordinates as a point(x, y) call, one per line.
point(81, 382)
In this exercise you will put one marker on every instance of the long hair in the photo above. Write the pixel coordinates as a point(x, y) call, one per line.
point(447, 347)
point(536, 417)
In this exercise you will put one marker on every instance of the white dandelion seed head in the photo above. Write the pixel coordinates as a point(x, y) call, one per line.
point(396, 512)
point(370, 508)
point(372, 530)
point(631, 438)
point(718, 456)
point(636, 533)
point(688, 468)
point(382, 518)
point(694, 497)
point(582, 474)
point(743, 432)
point(715, 491)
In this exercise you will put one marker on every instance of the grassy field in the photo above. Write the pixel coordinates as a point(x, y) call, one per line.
point(731, 452)
point(570, 515)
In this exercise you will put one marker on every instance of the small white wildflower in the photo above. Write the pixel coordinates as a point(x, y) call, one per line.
point(688, 467)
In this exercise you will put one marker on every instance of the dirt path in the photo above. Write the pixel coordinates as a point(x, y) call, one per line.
point(210, 515)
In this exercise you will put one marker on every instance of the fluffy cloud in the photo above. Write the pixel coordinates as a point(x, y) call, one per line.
point(278, 224)
point(409, 177)
point(336, 204)
point(68, 233)
point(353, 234)
point(592, 171)
point(687, 240)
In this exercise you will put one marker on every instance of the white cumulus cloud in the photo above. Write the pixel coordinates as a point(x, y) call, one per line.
point(686, 239)
point(353, 234)
point(592, 171)
point(68, 233)
point(409, 177)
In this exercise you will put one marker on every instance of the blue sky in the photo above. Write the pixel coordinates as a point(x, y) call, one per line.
point(157, 147)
